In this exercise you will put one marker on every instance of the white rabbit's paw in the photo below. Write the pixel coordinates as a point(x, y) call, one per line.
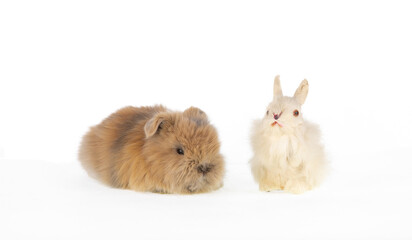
point(265, 187)
point(296, 187)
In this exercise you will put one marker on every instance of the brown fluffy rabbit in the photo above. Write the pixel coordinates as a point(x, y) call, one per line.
point(155, 149)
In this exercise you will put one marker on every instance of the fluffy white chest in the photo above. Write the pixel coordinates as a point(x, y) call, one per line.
point(282, 151)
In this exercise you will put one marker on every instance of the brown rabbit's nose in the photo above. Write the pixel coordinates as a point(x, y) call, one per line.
point(204, 168)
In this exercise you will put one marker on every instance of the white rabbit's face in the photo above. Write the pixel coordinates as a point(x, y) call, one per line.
point(283, 113)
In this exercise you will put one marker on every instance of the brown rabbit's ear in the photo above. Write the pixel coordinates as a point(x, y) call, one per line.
point(154, 124)
point(197, 115)
point(277, 89)
point(302, 92)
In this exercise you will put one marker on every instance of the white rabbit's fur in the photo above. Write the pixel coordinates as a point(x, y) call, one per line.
point(288, 155)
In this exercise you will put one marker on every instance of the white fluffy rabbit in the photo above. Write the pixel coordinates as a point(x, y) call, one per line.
point(288, 154)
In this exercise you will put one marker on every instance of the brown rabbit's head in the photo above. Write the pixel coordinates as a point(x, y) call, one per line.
point(183, 152)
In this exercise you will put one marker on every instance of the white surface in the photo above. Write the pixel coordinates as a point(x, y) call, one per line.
point(64, 66)
point(58, 201)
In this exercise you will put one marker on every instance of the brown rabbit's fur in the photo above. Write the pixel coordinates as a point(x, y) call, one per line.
point(136, 148)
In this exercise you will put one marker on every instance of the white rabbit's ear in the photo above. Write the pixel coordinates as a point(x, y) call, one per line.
point(277, 89)
point(302, 92)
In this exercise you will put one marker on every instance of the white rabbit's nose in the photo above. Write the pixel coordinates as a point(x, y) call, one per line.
point(277, 116)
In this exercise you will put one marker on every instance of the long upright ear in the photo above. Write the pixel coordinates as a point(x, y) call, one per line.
point(196, 115)
point(302, 92)
point(154, 124)
point(277, 89)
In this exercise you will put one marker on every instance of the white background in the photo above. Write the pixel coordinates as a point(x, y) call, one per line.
point(66, 65)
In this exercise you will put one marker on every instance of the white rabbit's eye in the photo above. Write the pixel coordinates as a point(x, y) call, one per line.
point(296, 113)
point(267, 112)
point(180, 151)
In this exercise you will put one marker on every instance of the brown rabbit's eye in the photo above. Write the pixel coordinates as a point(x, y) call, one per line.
point(180, 151)
point(296, 113)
